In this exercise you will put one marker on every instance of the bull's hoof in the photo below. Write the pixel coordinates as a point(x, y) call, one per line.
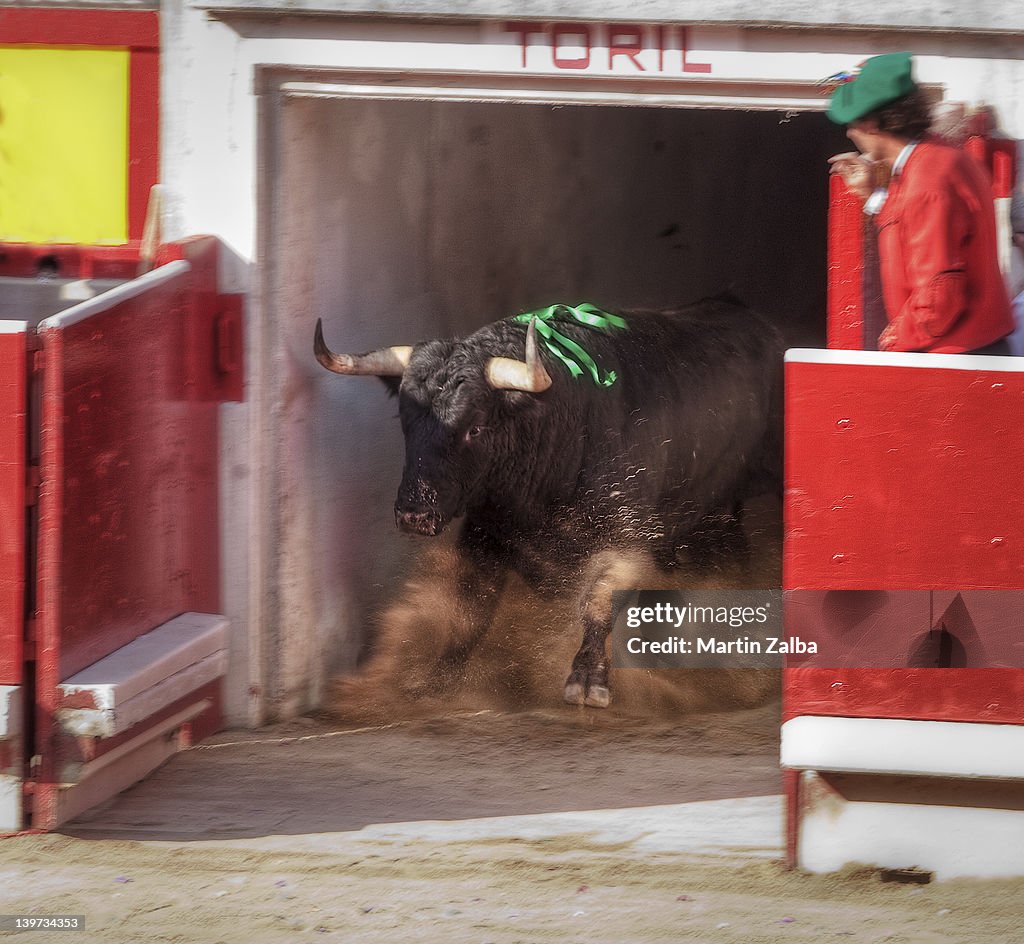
point(574, 694)
point(593, 696)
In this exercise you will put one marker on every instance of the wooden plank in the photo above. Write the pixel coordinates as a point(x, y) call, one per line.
point(110, 721)
point(146, 661)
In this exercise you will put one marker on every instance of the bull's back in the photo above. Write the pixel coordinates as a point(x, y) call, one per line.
point(702, 344)
point(697, 404)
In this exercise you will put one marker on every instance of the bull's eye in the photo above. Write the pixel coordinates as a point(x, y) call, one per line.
point(473, 432)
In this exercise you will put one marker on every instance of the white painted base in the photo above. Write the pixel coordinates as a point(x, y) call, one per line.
point(11, 753)
point(10, 712)
point(898, 746)
point(951, 841)
point(803, 355)
point(148, 674)
point(10, 804)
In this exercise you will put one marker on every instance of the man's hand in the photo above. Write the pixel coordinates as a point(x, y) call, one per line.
point(856, 170)
point(887, 339)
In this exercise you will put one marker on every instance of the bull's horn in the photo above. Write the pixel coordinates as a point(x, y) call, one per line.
point(387, 362)
point(504, 373)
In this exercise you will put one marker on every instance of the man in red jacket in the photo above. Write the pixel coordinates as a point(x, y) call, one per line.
point(937, 247)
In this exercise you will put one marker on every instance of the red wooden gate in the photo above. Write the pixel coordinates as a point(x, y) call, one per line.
point(14, 339)
point(113, 591)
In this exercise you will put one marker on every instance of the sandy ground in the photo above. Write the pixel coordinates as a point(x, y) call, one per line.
point(472, 805)
point(461, 830)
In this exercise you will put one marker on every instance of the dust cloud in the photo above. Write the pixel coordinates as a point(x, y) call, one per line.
point(522, 662)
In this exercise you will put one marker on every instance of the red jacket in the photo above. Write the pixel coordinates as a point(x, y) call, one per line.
point(941, 282)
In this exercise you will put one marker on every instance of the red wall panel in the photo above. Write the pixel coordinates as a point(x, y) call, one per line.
point(128, 510)
point(845, 268)
point(13, 373)
point(40, 26)
point(128, 515)
point(992, 696)
point(904, 477)
point(143, 135)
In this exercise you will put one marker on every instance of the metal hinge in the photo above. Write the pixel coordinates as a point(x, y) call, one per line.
point(228, 343)
point(229, 347)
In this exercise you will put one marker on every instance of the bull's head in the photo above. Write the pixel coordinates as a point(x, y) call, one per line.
point(451, 417)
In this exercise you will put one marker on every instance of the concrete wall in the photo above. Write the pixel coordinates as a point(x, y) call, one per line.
point(220, 165)
point(977, 15)
point(209, 105)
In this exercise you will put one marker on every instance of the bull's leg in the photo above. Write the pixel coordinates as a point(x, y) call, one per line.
point(607, 572)
point(588, 681)
point(479, 581)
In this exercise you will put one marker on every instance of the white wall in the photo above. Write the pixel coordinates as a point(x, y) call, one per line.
point(209, 109)
point(987, 15)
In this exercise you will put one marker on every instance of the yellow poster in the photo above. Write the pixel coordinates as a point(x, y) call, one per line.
point(63, 145)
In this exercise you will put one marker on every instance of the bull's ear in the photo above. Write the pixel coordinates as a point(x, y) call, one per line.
point(392, 383)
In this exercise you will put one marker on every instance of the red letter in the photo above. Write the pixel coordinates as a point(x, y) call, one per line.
point(523, 30)
point(558, 30)
point(691, 66)
point(634, 44)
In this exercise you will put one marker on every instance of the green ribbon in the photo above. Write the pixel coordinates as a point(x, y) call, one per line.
point(568, 351)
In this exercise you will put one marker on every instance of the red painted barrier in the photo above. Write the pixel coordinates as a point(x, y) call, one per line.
point(28, 260)
point(116, 399)
point(992, 696)
point(999, 155)
point(845, 268)
point(128, 506)
point(901, 475)
point(904, 478)
point(13, 370)
point(128, 534)
point(213, 356)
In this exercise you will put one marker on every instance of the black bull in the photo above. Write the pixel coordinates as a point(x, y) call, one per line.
point(550, 470)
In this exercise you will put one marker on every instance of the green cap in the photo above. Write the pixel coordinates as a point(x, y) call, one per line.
point(882, 79)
